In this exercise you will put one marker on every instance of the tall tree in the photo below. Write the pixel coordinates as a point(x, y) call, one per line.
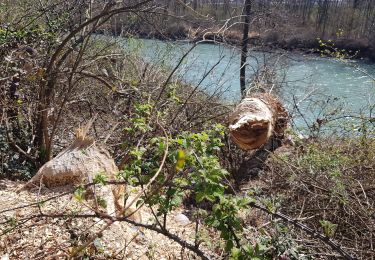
point(245, 40)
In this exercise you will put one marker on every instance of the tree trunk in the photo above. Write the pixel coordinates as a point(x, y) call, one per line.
point(256, 119)
point(245, 40)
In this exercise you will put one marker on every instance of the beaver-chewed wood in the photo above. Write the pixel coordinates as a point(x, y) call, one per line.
point(78, 164)
point(255, 119)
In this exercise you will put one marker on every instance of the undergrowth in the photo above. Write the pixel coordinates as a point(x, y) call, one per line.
point(328, 183)
point(169, 136)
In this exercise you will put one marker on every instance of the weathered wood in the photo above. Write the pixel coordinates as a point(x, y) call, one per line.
point(256, 119)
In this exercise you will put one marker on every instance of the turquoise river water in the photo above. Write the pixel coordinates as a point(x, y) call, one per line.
point(320, 87)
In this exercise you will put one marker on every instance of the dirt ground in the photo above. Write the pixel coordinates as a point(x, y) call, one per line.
point(25, 237)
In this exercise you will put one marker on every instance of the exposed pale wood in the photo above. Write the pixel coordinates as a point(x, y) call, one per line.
point(78, 164)
point(256, 119)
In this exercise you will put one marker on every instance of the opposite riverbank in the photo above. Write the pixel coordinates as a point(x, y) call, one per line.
point(301, 40)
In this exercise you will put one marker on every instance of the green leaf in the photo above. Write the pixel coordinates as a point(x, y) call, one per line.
point(100, 178)
point(329, 228)
point(139, 202)
point(79, 193)
point(235, 253)
point(199, 197)
point(229, 245)
point(181, 158)
point(101, 202)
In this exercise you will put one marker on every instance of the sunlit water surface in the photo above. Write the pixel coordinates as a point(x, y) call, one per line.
point(319, 87)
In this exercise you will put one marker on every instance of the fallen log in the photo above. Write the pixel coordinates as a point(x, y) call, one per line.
point(255, 119)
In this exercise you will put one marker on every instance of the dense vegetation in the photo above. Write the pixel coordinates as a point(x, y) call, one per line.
point(314, 197)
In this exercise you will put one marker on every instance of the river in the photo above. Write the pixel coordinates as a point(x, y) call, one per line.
point(320, 87)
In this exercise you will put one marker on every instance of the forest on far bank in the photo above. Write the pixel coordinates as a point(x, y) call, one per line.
point(294, 24)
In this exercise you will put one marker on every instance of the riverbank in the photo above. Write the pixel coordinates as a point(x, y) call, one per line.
point(127, 104)
point(171, 150)
point(301, 40)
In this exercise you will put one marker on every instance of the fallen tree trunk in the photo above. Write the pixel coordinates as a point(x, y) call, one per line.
point(255, 119)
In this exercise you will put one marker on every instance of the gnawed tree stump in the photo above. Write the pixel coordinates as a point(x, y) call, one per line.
point(255, 119)
point(79, 164)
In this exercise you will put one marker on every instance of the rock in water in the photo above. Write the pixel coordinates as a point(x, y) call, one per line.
point(255, 119)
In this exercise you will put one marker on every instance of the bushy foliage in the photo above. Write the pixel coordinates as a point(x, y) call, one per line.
point(192, 172)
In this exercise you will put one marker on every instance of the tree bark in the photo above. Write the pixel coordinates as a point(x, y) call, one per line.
point(245, 40)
